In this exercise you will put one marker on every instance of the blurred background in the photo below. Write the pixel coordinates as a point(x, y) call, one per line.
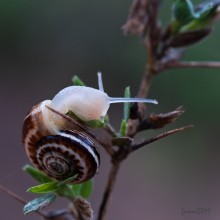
point(44, 43)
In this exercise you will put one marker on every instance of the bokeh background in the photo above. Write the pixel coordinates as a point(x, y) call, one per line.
point(44, 43)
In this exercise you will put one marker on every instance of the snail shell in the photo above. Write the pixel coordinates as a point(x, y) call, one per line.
point(59, 153)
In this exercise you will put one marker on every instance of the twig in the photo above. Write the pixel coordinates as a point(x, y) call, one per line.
point(137, 21)
point(151, 45)
point(147, 78)
point(150, 41)
point(83, 128)
point(156, 121)
point(72, 121)
point(190, 64)
point(20, 200)
point(165, 134)
point(13, 195)
point(108, 190)
point(110, 130)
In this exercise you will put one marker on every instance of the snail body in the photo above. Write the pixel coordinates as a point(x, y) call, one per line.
point(58, 147)
point(87, 103)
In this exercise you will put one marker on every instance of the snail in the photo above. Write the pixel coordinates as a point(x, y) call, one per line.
point(62, 149)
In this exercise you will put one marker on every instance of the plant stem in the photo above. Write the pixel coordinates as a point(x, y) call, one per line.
point(145, 85)
point(146, 80)
point(150, 41)
point(19, 199)
point(108, 190)
point(190, 64)
point(165, 134)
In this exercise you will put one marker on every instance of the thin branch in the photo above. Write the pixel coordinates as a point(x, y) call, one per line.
point(190, 64)
point(156, 121)
point(110, 130)
point(20, 199)
point(13, 195)
point(137, 21)
point(149, 38)
point(108, 190)
point(150, 42)
point(150, 140)
point(107, 147)
point(147, 77)
point(83, 128)
point(72, 121)
point(154, 27)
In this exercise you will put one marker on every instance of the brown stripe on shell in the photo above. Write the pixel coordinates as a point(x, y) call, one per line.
point(31, 132)
point(59, 155)
point(84, 154)
point(85, 139)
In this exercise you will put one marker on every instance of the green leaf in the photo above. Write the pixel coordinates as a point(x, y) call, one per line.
point(44, 188)
point(39, 203)
point(205, 18)
point(124, 125)
point(36, 174)
point(86, 189)
point(61, 188)
point(93, 124)
point(183, 11)
point(69, 191)
point(68, 180)
point(208, 10)
point(65, 191)
point(123, 128)
point(76, 189)
point(127, 105)
point(77, 81)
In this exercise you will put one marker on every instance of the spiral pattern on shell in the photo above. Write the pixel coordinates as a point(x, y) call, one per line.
point(60, 155)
